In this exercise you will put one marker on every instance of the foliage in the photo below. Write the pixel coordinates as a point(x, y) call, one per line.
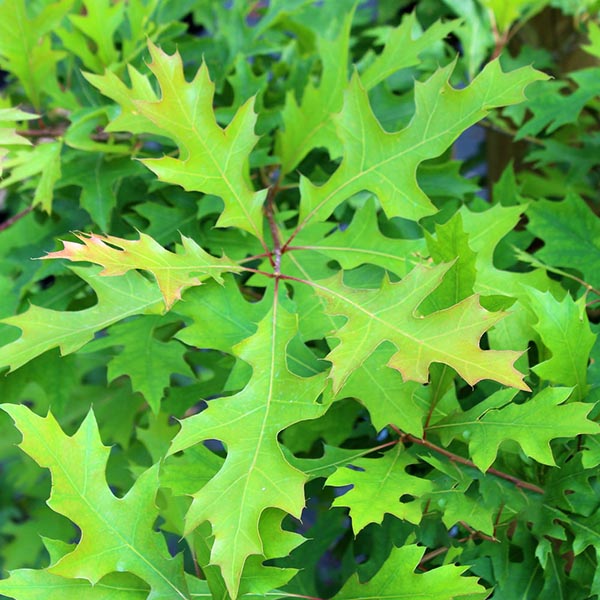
point(282, 341)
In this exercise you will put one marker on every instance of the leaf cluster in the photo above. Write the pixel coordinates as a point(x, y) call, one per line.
point(285, 334)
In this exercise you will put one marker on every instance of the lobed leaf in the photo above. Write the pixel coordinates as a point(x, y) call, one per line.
point(396, 580)
point(255, 475)
point(174, 272)
point(116, 534)
point(572, 235)
point(211, 160)
point(386, 163)
point(532, 424)
point(378, 485)
point(565, 331)
point(30, 584)
point(26, 49)
point(146, 360)
point(450, 336)
point(43, 328)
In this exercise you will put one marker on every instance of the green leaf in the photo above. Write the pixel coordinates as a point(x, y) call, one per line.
point(386, 163)
point(43, 329)
point(8, 134)
point(387, 397)
point(174, 272)
point(220, 317)
point(571, 232)
point(25, 45)
point(552, 107)
point(475, 32)
point(129, 118)
point(211, 160)
point(564, 330)
point(449, 336)
point(362, 242)
point(486, 231)
point(532, 425)
point(334, 427)
point(99, 23)
point(457, 497)
point(378, 485)
point(403, 48)
point(30, 584)
point(326, 465)
point(116, 534)
point(594, 34)
point(99, 188)
point(255, 475)
point(506, 12)
point(43, 160)
point(451, 244)
point(308, 125)
point(146, 360)
point(396, 580)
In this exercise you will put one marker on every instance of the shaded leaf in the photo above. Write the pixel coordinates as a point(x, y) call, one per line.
point(43, 329)
point(378, 488)
point(146, 360)
point(571, 234)
point(565, 331)
point(362, 242)
point(396, 580)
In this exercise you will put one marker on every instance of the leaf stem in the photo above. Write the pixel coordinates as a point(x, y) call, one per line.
point(254, 257)
point(275, 256)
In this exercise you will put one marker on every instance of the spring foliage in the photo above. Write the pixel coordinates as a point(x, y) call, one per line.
point(277, 345)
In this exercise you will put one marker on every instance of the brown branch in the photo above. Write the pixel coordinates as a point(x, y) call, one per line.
point(34, 133)
point(407, 437)
point(12, 220)
point(474, 533)
point(100, 136)
point(430, 556)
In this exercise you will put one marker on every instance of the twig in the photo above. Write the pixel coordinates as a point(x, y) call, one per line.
point(12, 220)
point(430, 556)
point(100, 136)
point(510, 132)
point(53, 133)
point(407, 437)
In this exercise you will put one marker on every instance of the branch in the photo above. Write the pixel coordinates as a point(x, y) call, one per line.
point(430, 556)
point(57, 132)
point(34, 133)
point(407, 437)
point(506, 130)
point(12, 220)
